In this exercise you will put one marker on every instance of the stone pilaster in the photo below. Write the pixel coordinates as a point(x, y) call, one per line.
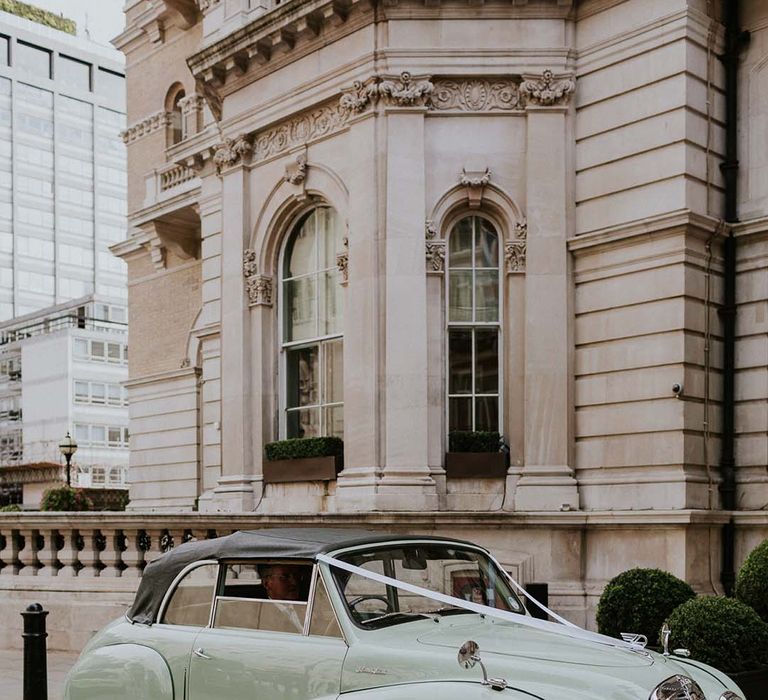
point(547, 481)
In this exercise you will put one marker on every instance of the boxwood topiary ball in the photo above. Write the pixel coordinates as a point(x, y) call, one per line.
point(639, 600)
point(722, 632)
point(752, 581)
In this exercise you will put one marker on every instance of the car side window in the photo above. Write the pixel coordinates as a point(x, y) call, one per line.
point(269, 596)
point(190, 603)
point(323, 622)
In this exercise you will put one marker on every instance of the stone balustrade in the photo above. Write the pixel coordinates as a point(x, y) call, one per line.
point(91, 545)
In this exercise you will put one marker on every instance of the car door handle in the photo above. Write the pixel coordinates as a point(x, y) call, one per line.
point(201, 653)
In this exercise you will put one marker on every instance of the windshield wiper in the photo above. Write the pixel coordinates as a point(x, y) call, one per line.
point(449, 611)
point(393, 615)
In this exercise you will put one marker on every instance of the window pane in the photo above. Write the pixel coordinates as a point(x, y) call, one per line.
point(487, 245)
point(114, 352)
point(111, 85)
point(323, 622)
point(97, 349)
point(460, 296)
point(304, 423)
point(300, 256)
point(460, 362)
point(487, 295)
point(330, 237)
point(460, 244)
point(333, 374)
point(334, 421)
point(80, 348)
point(81, 391)
point(115, 436)
point(486, 361)
point(4, 42)
point(460, 413)
point(191, 601)
point(331, 323)
point(97, 392)
point(486, 413)
point(97, 434)
point(300, 309)
point(303, 377)
point(33, 59)
point(74, 73)
point(81, 433)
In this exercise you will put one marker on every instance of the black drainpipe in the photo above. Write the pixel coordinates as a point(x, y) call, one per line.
point(735, 40)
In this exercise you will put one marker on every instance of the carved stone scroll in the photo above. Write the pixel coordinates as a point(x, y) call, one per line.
point(549, 90)
point(475, 182)
point(231, 152)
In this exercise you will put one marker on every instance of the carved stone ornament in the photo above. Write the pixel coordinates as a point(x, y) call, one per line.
point(146, 126)
point(360, 96)
point(475, 182)
point(249, 263)
point(231, 152)
point(406, 90)
point(476, 95)
point(342, 263)
point(296, 172)
point(206, 5)
point(549, 90)
point(191, 104)
point(259, 289)
point(430, 230)
point(515, 250)
point(435, 256)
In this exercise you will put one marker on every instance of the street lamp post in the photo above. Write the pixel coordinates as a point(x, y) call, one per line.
point(68, 447)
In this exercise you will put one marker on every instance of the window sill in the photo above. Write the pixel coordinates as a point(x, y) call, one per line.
point(475, 465)
point(284, 471)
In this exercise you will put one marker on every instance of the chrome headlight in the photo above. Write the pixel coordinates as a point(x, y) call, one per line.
point(678, 688)
point(730, 695)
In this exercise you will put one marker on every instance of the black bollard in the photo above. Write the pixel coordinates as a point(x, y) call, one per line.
point(35, 661)
point(539, 592)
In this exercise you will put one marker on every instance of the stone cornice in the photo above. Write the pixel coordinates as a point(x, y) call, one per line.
point(751, 227)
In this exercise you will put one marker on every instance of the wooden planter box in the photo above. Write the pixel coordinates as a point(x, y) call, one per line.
point(475, 465)
point(753, 683)
point(284, 471)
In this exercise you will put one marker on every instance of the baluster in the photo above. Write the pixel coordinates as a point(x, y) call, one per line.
point(133, 556)
point(69, 554)
point(89, 555)
point(111, 556)
point(48, 555)
point(10, 553)
point(28, 555)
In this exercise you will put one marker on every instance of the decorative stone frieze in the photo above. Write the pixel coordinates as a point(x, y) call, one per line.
point(549, 90)
point(259, 290)
point(476, 95)
point(475, 182)
point(342, 263)
point(231, 152)
point(515, 250)
point(406, 90)
point(145, 127)
point(296, 172)
point(298, 131)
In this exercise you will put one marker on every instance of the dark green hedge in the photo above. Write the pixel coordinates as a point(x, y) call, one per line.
point(65, 498)
point(473, 441)
point(752, 581)
point(722, 632)
point(639, 600)
point(107, 499)
point(36, 14)
point(300, 448)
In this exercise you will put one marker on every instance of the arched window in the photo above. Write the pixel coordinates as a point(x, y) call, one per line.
point(474, 324)
point(176, 126)
point(312, 323)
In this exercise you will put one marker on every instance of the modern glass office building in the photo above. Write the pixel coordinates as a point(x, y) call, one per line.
point(62, 168)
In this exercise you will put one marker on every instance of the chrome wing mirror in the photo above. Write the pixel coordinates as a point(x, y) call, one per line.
point(469, 656)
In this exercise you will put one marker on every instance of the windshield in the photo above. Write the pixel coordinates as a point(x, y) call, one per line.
point(454, 571)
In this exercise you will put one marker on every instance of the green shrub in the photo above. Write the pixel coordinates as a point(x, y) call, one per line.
point(473, 441)
point(107, 499)
point(65, 498)
point(639, 600)
point(752, 581)
point(722, 632)
point(10, 508)
point(36, 14)
point(300, 448)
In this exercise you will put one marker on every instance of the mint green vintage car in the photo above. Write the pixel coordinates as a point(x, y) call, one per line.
point(321, 614)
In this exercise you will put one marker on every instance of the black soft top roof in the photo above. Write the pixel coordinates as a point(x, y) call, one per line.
point(277, 543)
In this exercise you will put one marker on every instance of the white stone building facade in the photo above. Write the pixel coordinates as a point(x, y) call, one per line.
point(386, 220)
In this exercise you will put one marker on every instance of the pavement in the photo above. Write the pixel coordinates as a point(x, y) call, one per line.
point(12, 674)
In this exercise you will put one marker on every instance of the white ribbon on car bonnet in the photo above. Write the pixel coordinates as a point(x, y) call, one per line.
point(562, 626)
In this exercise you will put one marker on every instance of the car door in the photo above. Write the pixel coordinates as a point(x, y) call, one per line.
point(260, 648)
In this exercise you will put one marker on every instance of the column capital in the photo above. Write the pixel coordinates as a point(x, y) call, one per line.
point(547, 89)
